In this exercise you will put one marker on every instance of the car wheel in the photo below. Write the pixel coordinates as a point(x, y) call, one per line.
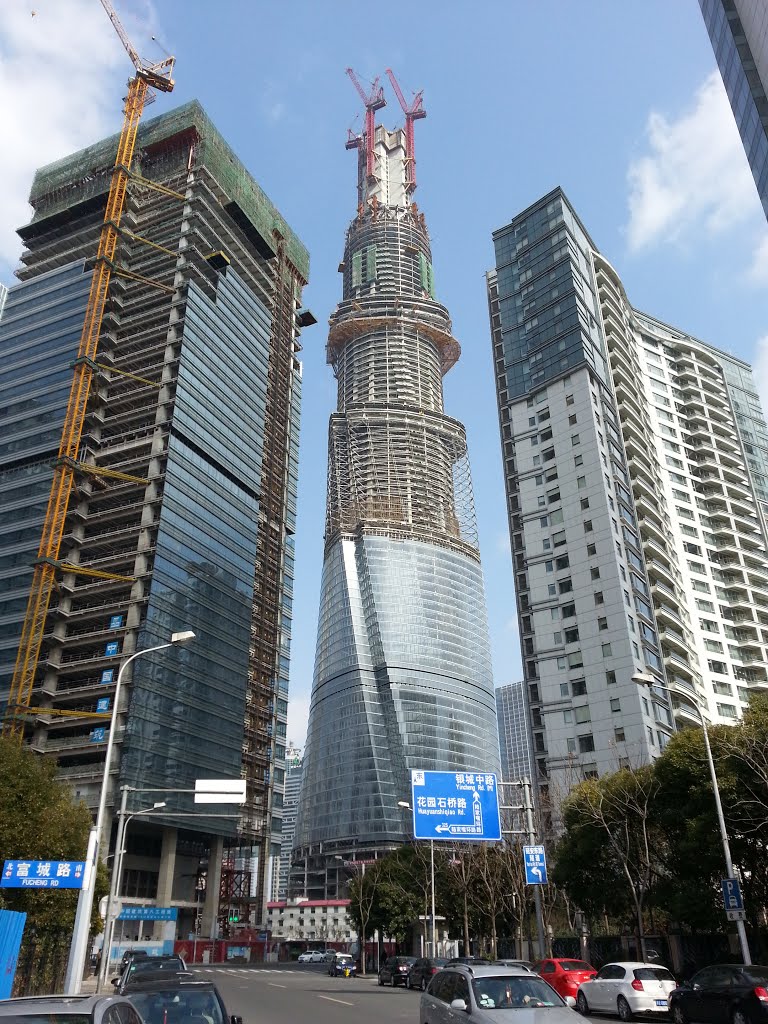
point(581, 1004)
point(380, 981)
point(625, 1010)
point(741, 1017)
point(679, 1016)
point(393, 983)
point(407, 981)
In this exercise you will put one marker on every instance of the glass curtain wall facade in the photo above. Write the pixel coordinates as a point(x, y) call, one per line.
point(403, 671)
point(183, 510)
point(514, 732)
point(738, 30)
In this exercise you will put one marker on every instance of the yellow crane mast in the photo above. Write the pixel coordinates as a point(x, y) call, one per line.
point(156, 76)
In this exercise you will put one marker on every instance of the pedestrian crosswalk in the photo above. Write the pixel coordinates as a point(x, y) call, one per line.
point(251, 970)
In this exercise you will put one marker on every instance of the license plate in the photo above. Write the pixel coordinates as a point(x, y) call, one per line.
point(662, 1002)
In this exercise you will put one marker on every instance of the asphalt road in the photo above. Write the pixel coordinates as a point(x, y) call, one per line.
point(304, 994)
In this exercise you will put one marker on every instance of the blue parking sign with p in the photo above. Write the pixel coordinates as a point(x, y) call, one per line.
point(732, 894)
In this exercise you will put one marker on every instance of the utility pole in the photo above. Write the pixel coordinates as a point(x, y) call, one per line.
point(529, 832)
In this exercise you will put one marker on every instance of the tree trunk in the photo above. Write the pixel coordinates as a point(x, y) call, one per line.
point(466, 928)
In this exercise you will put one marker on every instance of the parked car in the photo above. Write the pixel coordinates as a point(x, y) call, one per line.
point(722, 994)
point(68, 1009)
point(133, 954)
point(491, 994)
point(148, 966)
point(627, 988)
point(523, 965)
point(565, 975)
point(312, 956)
point(420, 973)
point(395, 969)
point(181, 998)
point(342, 966)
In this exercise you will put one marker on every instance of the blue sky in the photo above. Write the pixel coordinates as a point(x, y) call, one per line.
point(614, 101)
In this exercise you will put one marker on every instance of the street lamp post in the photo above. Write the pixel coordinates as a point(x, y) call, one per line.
point(646, 680)
point(117, 874)
point(433, 943)
point(77, 949)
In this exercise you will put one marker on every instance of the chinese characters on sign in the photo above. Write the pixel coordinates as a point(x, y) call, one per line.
point(148, 914)
point(455, 805)
point(42, 874)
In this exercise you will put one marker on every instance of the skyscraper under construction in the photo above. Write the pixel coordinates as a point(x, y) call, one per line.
point(403, 670)
point(183, 507)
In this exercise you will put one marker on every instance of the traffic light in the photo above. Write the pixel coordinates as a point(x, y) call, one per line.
point(234, 917)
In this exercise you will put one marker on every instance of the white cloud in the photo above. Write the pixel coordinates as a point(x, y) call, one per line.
point(62, 69)
point(695, 178)
point(758, 272)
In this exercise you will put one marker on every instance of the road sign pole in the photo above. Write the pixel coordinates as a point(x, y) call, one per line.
point(432, 870)
point(532, 840)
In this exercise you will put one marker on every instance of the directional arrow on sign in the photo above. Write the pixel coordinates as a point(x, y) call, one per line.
point(536, 871)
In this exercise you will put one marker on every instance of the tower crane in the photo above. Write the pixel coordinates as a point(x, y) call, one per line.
point(373, 101)
point(413, 112)
point(156, 76)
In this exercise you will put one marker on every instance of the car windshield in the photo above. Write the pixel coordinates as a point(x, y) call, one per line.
point(575, 965)
point(513, 992)
point(153, 964)
point(405, 960)
point(653, 974)
point(344, 960)
point(176, 1005)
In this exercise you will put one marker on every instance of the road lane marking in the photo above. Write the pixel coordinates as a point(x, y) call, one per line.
point(274, 984)
point(332, 1000)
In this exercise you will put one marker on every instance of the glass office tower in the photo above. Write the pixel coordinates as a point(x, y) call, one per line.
point(403, 669)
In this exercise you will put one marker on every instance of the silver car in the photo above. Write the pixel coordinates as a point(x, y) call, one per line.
point(101, 1009)
point(491, 994)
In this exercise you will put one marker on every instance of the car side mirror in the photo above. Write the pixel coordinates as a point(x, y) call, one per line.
point(115, 981)
point(571, 1001)
point(458, 1004)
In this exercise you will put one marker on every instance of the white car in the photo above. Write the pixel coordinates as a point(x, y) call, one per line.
point(627, 988)
point(312, 956)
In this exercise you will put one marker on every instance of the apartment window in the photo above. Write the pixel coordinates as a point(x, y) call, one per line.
point(575, 440)
point(610, 677)
point(572, 420)
point(586, 744)
point(543, 415)
point(534, 441)
point(536, 460)
point(562, 562)
point(578, 460)
point(553, 496)
point(599, 597)
point(719, 667)
point(575, 660)
point(587, 526)
point(571, 745)
point(549, 567)
point(572, 635)
point(541, 500)
point(584, 503)
point(568, 717)
point(531, 421)
point(606, 649)
point(569, 610)
point(551, 589)
point(594, 572)
point(615, 704)
point(581, 715)
point(592, 550)
point(705, 606)
point(590, 771)
point(651, 736)
point(618, 735)
point(548, 455)
point(563, 688)
point(565, 586)
point(581, 482)
point(714, 646)
point(578, 687)
point(539, 479)
point(569, 399)
point(602, 623)
point(543, 520)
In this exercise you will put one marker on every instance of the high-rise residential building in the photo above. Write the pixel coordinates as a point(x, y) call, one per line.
point(293, 771)
point(738, 30)
point(183, 510)
point(514, 732)
point(635, 460)
point(403, 673)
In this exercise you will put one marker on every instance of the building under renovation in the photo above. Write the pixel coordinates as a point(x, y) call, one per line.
point(403, 669)
point(183, 507)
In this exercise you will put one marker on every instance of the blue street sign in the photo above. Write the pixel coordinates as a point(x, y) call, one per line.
point(108, 675)
point(455, 805)
point(115, 621)
point(148, 914)
point(102, 704)
point(535, 865)
point(42, 874)
point(98, 735)
point(112, 648)
point(732, 897)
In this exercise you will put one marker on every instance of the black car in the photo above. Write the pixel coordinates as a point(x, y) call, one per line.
point(148, 967)
point(722, 994)
point(420, 974)
point(395, 969)
point(133, 954)
point(342, 966)
point(181, 999)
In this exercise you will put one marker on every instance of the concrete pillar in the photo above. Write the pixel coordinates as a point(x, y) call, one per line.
point(165, 876)
point(208, 927)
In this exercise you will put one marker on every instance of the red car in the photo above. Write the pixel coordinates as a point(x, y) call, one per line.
point(565, 976)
